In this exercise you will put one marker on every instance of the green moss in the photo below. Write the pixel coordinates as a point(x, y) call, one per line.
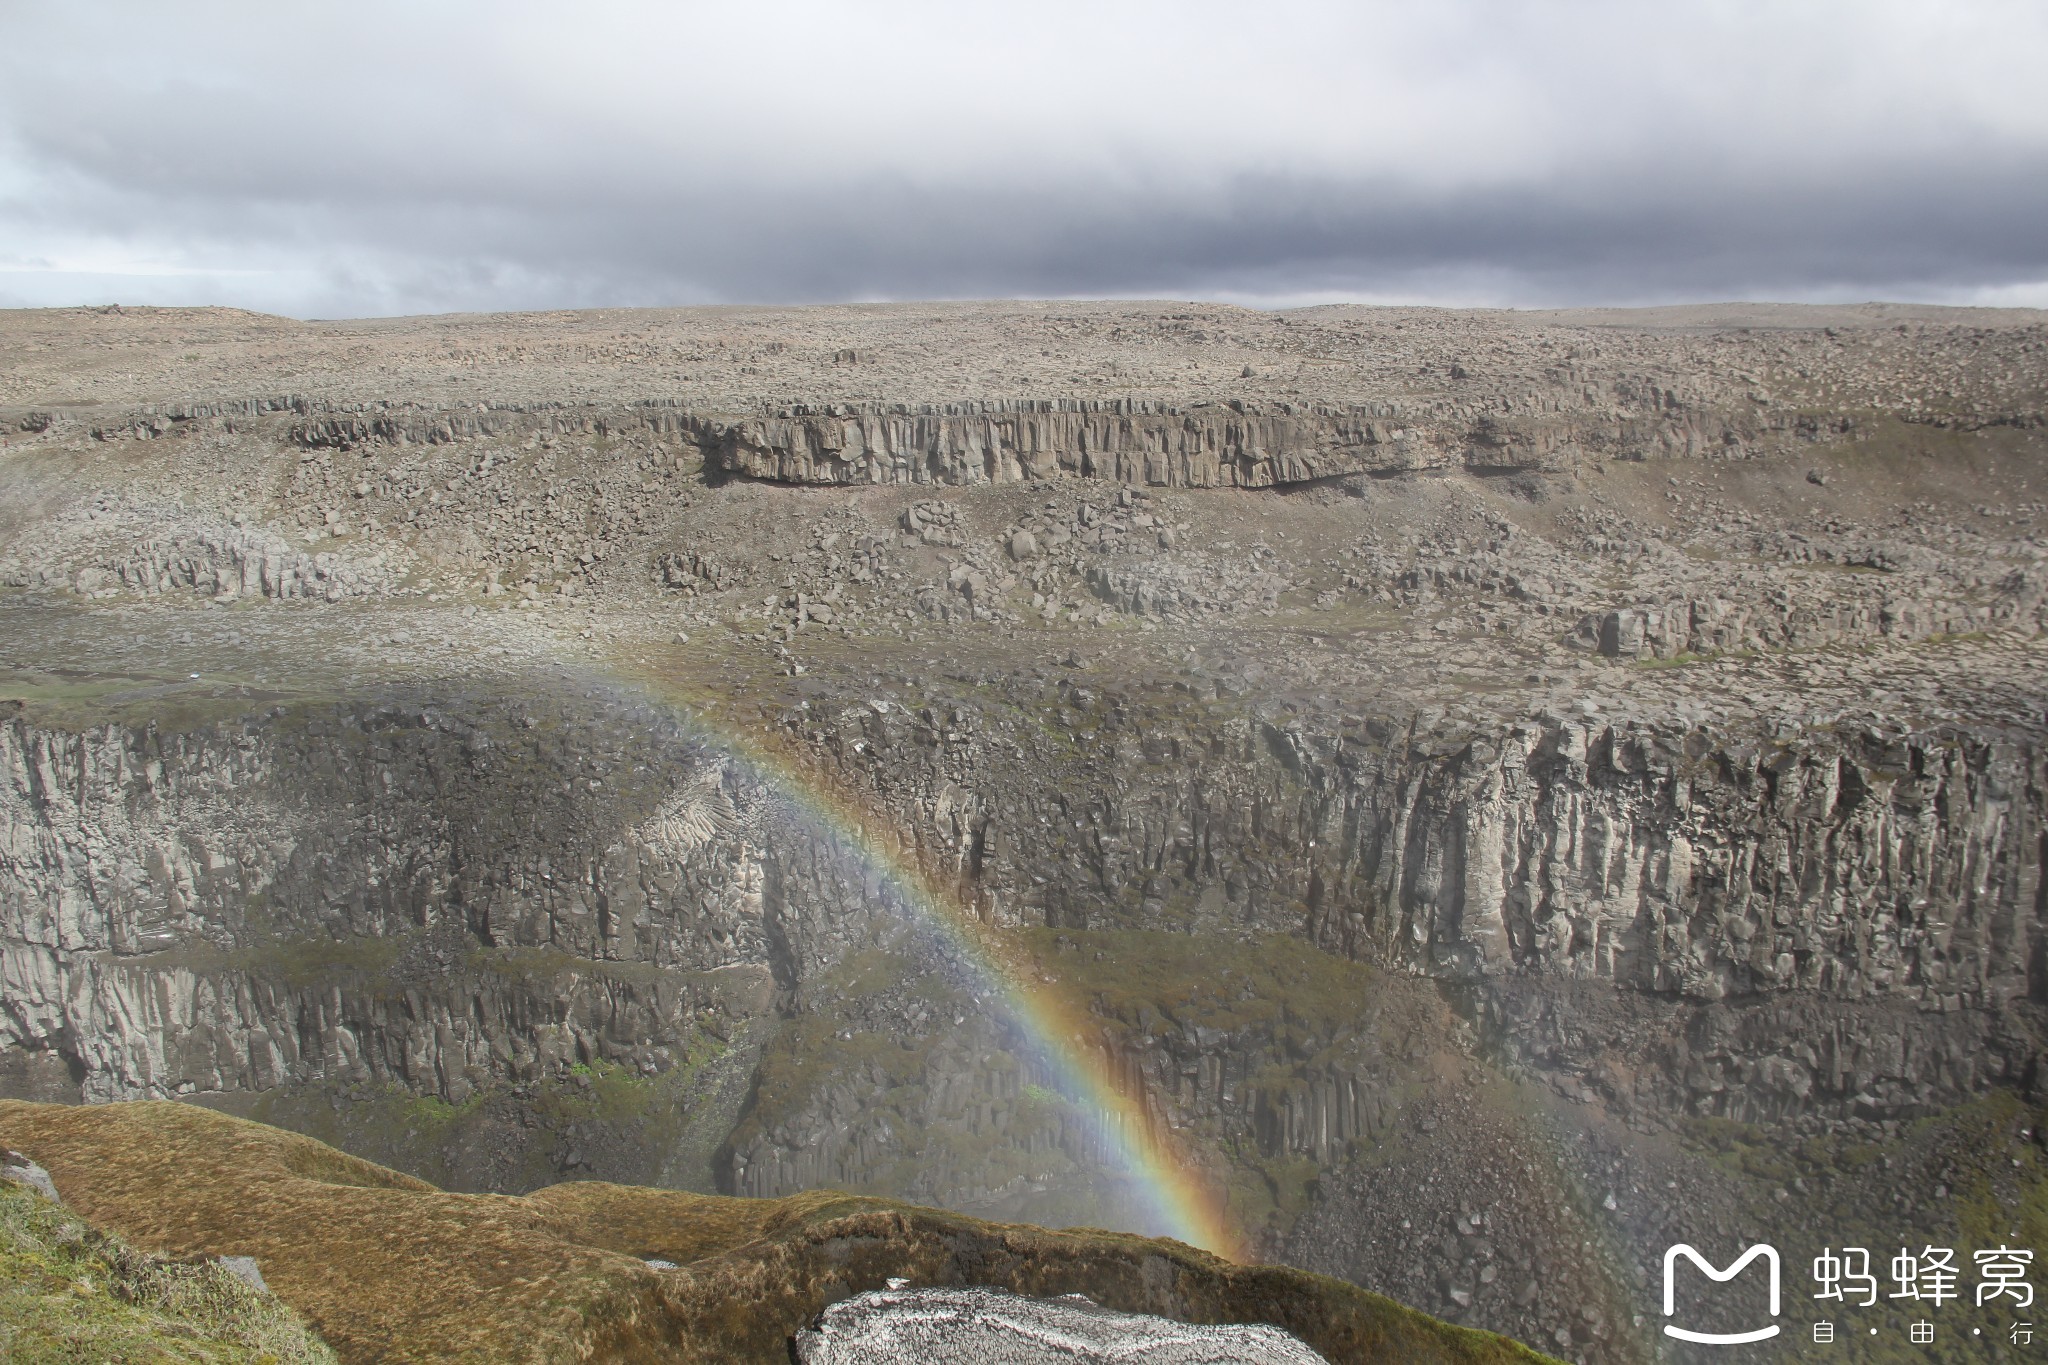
point(300, 962)
point(1204, 981)
point(817, 1044)
point(83, 701)
point(607, 1092)
point(1277, 995)
point(433, 1138)
point(431, 1114)
point(1742, 1148)
point(552, 964)
point(1986, 1128)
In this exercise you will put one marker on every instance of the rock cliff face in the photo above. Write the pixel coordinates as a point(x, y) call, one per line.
point(1234, 444)
point(1220, 446)
point(1266, 1050)
point(1868, 907)
point(226, 565)
point(180, 920)
point(1660, 857)
point(1826, 935)
point(161, 890)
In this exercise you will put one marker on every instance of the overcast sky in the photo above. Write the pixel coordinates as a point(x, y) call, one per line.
point(357, 158)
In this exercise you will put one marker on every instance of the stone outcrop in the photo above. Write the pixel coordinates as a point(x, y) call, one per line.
point(1225, 445)
point(1234, 443)
point(1186, 589)
point(988, 1327)
point(1784, 619)
point(17, 1169)
point(227, 565)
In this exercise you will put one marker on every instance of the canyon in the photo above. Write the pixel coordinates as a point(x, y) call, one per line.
point(1505, 792)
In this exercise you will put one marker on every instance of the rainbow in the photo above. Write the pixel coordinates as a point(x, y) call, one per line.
point(1180, 1202)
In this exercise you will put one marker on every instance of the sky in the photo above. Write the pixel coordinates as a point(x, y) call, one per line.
point(367, 159)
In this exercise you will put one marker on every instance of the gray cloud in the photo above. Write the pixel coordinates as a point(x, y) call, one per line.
point(373, 159)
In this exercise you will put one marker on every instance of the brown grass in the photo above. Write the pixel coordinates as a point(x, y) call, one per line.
point(71, 1294)
point(389, 1268)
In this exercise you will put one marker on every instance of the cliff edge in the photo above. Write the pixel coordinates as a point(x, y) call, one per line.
point(388, 1267)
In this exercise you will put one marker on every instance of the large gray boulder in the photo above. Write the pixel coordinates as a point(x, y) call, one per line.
point(17, 1169)
point(902, 1326)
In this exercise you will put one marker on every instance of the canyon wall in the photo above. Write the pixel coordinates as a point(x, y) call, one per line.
point(177, 912)
point(1307, 940)
point(1843, 875)
point(1234, 443)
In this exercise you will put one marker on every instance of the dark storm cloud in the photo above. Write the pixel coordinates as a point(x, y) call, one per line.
point(363, 159)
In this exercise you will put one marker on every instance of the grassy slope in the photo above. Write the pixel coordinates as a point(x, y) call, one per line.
point(71, 1293)
point(390, 1268)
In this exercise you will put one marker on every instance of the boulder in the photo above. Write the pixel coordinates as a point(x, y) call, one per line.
point(17, 1169)
point(978, 1326)
point(245, 1269)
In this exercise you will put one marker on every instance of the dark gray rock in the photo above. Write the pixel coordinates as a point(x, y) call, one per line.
point(17, 1169)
